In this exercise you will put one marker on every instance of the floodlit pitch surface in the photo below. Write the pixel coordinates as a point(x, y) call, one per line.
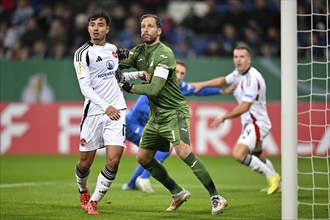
point(44, 187)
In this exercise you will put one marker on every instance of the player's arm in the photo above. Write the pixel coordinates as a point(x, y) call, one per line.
point(153, 88)
point(236, 112)
point(89, 93)
point(217, 82)
point(189, 90)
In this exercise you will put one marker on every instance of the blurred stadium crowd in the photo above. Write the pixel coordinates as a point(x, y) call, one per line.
point(38, 29)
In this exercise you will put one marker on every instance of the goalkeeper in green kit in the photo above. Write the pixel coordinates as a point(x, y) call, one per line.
point(169, 120)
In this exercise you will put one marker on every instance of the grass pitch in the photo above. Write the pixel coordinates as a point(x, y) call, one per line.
point(44, 187)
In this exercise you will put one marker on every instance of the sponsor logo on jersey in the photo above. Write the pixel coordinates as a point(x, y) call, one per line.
point(248, 95)
point(110, 73)
point(110, 64)
point(163, 56)
point(98, 59)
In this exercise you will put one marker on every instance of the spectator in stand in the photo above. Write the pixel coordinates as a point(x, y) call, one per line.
point(18, 51)
point(212, 21)
point(213, 49)
point(59, 51)
point(131, 29)
point(229, 39)
point(22, 13)
point(78, 34)
point(236, 15)
point(252, 39)
point(201, 19)
point(39, 50)
point(56, 33)
point(32, 33)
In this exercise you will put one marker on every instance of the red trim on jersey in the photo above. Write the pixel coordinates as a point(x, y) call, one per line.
point(256, 127)
point(258, 91)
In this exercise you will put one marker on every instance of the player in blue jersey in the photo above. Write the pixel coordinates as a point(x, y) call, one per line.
point(138, 116)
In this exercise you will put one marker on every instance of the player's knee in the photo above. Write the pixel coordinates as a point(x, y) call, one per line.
point(182, 150)
point(143, 160)
point(239, 156)
point(83, 166)
point(112, 164)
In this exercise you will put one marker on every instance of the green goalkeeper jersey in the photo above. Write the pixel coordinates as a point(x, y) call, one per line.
point(164, 95)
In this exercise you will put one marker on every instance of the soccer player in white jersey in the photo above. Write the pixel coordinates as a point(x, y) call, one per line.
point(103, 121)
point(250, 94)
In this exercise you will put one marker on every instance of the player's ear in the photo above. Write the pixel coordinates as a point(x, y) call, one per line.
point(108, 29)
point(159, 31)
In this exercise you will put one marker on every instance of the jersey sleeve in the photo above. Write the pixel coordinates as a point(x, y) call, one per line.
point(82, 71)
point(152, 89)
point(189, 90)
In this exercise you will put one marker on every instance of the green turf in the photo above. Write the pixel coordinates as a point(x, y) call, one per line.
point(51, 192)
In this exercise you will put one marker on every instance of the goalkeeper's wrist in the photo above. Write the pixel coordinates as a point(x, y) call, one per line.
point(127, 87)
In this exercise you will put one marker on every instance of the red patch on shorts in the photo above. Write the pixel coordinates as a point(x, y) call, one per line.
point(83, 142)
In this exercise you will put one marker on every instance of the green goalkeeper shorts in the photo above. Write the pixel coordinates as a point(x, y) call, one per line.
point(158, 136)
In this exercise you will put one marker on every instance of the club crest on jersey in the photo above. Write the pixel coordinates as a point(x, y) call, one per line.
point(110, 64)
point(114, 54)
point(83, 142)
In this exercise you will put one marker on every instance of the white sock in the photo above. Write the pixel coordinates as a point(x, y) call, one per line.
point(102, 186)
point(82, 180)
point(269, 164)
point(82, 183)
point(257, 165)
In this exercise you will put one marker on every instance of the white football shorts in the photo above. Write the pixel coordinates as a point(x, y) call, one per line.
point(99, 131)
point(252, 135)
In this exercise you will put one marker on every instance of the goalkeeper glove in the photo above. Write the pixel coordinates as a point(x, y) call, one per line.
point(126, 86)
point(122, 53)
point(119, 76)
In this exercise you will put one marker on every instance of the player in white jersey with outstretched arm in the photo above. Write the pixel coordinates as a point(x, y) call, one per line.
point(103, 121)
point(250, 94)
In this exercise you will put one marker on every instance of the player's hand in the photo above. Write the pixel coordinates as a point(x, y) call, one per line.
point(145, 76)
point(112, 113)
point(122, 53)
point(217, 121)
point(230, 89)
point(126, 86)
point(197, 85)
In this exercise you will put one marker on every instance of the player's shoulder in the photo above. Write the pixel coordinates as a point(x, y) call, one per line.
point(110, 46)
point(134, 52)
point(84, 47)
point(255, 72)
point(165, 49)
point(81, 50)
point(139, 48)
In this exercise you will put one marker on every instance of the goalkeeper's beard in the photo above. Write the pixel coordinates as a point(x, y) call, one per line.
point(148, 39)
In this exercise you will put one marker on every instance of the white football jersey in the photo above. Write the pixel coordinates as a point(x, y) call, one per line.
point(95, 67)
point(251, 88)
